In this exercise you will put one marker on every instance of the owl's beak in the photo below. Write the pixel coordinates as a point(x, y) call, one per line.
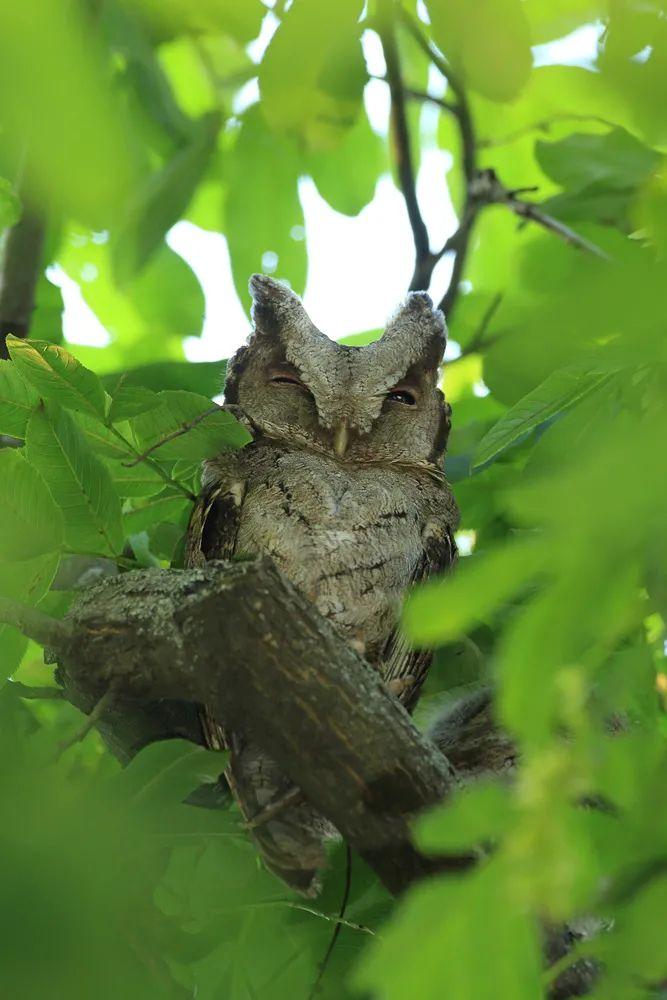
point(341, 439)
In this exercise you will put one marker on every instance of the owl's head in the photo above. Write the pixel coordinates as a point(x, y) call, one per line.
point(379, 402)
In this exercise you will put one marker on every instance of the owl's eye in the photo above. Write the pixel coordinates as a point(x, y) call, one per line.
point(284, 378)
point(399, 395)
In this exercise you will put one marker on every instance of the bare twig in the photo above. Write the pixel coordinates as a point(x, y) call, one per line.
point(33, 623)
point(274, 808)
point(183, 429)
point(491, 191)
point(478, 339)
point(31, 693)
point(152, 463)
point(424, 260)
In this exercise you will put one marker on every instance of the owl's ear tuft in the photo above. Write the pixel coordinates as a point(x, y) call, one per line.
point(273, 302)
point(416, 332)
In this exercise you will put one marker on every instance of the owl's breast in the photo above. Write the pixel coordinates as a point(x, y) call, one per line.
point(349, 537)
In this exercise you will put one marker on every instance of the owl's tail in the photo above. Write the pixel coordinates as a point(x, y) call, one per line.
point(288, 833)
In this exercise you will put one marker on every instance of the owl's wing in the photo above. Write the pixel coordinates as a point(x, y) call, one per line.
point(404, 668)
point(212, 534)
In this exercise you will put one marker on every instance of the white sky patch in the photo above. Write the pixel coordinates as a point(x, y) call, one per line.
point(80, 324)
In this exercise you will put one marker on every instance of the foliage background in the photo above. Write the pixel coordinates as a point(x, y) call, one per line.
point(118, 120)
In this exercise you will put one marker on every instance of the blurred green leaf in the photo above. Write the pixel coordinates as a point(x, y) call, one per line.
point(349, 191)
point(166, 18)
point(31, 524)
point(205, 378)
point(557, 393)
point(615, 158)
point(488, 43)
point(162, 201)
point(26, 581)
point(53, 72)
point(57, 375)
point(475, 816)
point(17, 400)
point(164, 508)
point(80, 483)
point(312, 76)
point(166, 772)
point(263, 213)
point(442, 610)
point(180, 411)
point(445, 925)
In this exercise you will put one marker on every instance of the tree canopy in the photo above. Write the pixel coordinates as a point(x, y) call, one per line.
point(118, 118)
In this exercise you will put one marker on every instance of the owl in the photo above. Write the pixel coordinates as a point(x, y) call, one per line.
point(343, 487)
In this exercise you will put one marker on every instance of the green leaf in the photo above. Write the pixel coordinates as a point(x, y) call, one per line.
point(165, 20)
point(615, 159)
point(31, 523)
point(135, 480)
point(349, 191)
point(10, 206)
point(475, 815)
point(312, 75)
point(204, 377)
point(561, 390)
point(487, 42)
point(162, 201)
point(166, 772)
point(102, 439)
point(443, 610)
point(53, 71)
point(445, 926)
point(17, 400)
point(57, 375)
point(129, 401)
point(27, 581)
point(263, 211)
point(218, 432)
point(170, 508)
point(80, 483)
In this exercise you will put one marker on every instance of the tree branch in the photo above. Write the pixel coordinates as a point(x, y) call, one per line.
point(424, 260)
point(240, 639)
point(33, 623)
point(20, 270)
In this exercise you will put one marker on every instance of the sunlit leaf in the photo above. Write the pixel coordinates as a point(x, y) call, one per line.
point(162, 201)
point(57, 375)
point(350, 191)
point(129, 401)
point(488, 42)
point(312, 76)
point(166, 508)
point(264, 218)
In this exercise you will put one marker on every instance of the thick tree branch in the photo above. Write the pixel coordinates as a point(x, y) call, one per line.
point(20, 270)
point(239, 638)
point(33, 623)
point(424, 259)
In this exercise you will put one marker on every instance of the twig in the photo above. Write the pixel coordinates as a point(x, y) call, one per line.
point(477, 341)
point(337, 929)
point(459, 242)
point(37, 693)
point(152, 463)
point(34, 624)
point(491, 191)
point(275, 807)
point(92, 719)
point(183, 429)
point(327, 916)
point(424, 262)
